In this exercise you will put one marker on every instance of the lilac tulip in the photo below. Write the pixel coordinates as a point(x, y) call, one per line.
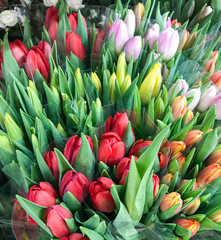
point(182, 84)
point(195, 95)
point(130, 21)
point(133, 46)
point(168, 42)
point(121, 35)
point(217, 102)
point(207, 98)
point(168, 23)
point(152, 35)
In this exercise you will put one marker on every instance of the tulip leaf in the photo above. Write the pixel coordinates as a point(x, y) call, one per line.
point(184, 187)
point(63, 164)
point(76, 62)
point(128, 137)
point(82, 30)
point(72, 227)
point(174, 182)
point(92, 235)
point(36, 212)
point(208, 120)
point(101, 228)
point(182, 232)
point(12, 170)
point(164, 215)
point(64, 83)
point(206, 224)
point(70, 200)
point(87, 218)
point(161, 19)
point(24, 161)
point(146, 160)
point(58, 138)
point(187, 163)
point(5, 156)
point(41, 134)
point(213, 187)
point(197, 217)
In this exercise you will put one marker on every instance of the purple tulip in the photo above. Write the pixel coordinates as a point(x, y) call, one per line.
point(195, 95)
point(217, 102)
point(168, 42)
point(121, 35)
point(207, 98)
point(182, 84)
point(133, 46)
point(130, 21)
point(152, 35)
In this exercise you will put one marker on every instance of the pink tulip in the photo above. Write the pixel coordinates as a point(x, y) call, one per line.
point(133, 46)
point(152, 35)
point(46, 48)
point(217, 102)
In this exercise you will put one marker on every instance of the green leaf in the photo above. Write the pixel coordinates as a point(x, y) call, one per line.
point(187, 163)
point(128, 138)
point(169, 212)
point(82, 31)
point(87, 218)
point(91, 234)
point(12, 170)
point(72, 227)
point(71, 201)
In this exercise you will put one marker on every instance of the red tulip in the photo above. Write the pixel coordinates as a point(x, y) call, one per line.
point(18, 50)
point(43, 194)
point(52, 162)
point(156, 182)
point(36, 60)
point(53, 28)
point(123, 168)
point(73, 20)
point(76, 183)
point(73, 146)
point(51, 12)
point(137, 146)
point(99, 42)
point(117, 124)
point(101, 197)
point(74, 45)
point(75, 236)
point(111, 149)
point(46, 48)
point(55, 220)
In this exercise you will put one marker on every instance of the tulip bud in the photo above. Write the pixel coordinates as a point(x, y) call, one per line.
point(207, 98)
point(130, 21)
point(75, 236)
point(192, 137)
point(183, 40)
point(217, 102)
point(208, 174)
point(152, 35)
point(167, 179)
point(55, 220)
point(5, 143)
point(61, 130)
point(126, 85)
point(195, 95)
point(192, 207)
point(52, 11)
point(121, 69)
point(176, 23)
point(53, 28)
point(156, 183)
point(111, 149)
point(111, 87)
point(209, 66)
point(214, 157)
point(73, 146)
point(43, 194)
point(186, 180)
point(216, 79)
point(170, 200)
point(181, 161)
point(76, 183)
point(96, 81)
point(215, 217)
point(74, 45)
point(73, 20)
point(123, 168)
point(177, 147)
point(101, 197)
point(178, 106)
point(133, 46)
point(190, 40)
point(190, 116)
point(137, 146)
point(36, 60)
point(151, 84)
point(190, 224)
point(99, 42)
point(168, 42)
point(121, 35)
point(139, 12)
point(46, 48)
point(206, 11)
point(52, 162)
point(182, 84)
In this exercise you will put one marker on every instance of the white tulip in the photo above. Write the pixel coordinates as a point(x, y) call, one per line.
point(8, 18)
point(130, 21)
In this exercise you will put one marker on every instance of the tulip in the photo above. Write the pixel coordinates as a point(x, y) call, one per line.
point(195, 95)
point(117, 124)
point(73, 146)
point(130, 21)
point(43, 194)
point(215, 55)
point(209, 174)
point(178, 106)
point(52, 162)
point(190, 116)
point(97, 82)
point(192, 137)
point(170, 200)
point(167, 179)
point(206, 11)
point(182, 85)
point(133, 47)
point(189, 43)
point(214, 157)
point(52, 11)
point(216, 79)
point(139, 12)
point(53, 28)
point(5, 143)
point(55, 220)
point(76, 183)
point(73, 20)
point(99, 42)
point(74, 45)
point(217, 102)
point(111, 87)
point(111, 149)
point(168, 23)
point(46, 48)
point(126, 85)
point(207, 98)
point(75, 236)
point(181, 161)
point(163, 160)
point(123, 168)
point(121, 35)
point(177, 147)
point(192, 207)
point(152, 35)
point(215, 217)
point(156, 182)
point(137, 146)
point(186, 180)
point(209, 66)
point(185, 36)
point(101, 197)
point(121, 69)
point(36, 60)
point(18, 50)
point(189, 224)
point(151, 84)
point(168, 42)
point(176, 23)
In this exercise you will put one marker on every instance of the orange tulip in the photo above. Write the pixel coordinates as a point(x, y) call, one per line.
point(189, 224)
point(192, 207)
point(214, 157)
point(208, 174)
point(192, 137)
point(178, 106)
point(170, 200)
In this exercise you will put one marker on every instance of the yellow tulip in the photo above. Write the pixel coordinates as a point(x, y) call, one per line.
point(96, 82)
